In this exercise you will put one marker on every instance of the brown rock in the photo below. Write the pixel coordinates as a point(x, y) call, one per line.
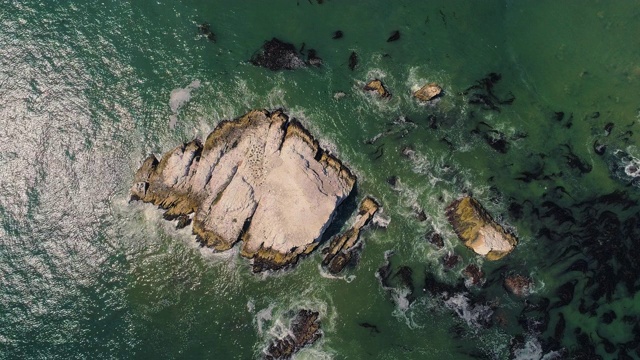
point(435, 239)
point(428, 92)
point(475, 227)
point(518, 285)
point(305, 329)
point(450, 260)
point(378, 87)
point(340, 250)
point(474, 274)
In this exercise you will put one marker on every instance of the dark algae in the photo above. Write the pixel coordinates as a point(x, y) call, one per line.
point(353, 60)
point(394, 36)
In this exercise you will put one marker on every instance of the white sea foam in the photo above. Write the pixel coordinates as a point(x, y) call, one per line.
point(473, 315)
point(532, 350)
point(263, 316)
point(178, 98)
point(327, 275)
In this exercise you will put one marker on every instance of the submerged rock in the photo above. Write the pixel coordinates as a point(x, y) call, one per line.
point(313, 59)
point(378, 87)
point(353, 60)
point(262, 179)
point(277, 55)
point(435, 239)
point(518, 285)
point(394, 36)
point(205, 30)
point(428, 92)
point(340, 250)
point(305, 330)
point(475, 227)
point(474, 275)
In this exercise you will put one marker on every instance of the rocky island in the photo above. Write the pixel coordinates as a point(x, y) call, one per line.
point(261, 179)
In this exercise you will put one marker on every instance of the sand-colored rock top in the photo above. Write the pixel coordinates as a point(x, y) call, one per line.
point(378, 87)
point(262, 179)
point(428, 92)
point(475, 227)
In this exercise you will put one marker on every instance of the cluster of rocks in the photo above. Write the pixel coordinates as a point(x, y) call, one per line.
point(342, 248)
point(304, 331)
point(426, 93)
point(276, 54)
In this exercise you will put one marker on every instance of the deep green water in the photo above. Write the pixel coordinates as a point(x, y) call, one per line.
point(85, 94)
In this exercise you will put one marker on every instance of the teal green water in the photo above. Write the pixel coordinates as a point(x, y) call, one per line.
point(85, 94)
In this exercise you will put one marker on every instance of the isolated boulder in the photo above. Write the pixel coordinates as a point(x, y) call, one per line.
point(475, 227)
point(428, 92)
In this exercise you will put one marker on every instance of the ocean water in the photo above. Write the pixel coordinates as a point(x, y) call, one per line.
point(89, 89)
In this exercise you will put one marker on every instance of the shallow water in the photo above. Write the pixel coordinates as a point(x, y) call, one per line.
point(86, 93)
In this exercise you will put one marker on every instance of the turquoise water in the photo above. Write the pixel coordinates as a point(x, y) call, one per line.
point(85, 95)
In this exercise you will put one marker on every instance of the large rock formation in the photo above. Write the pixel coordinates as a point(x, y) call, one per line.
point(305, 330)
point(262, 179)
point(475, 227)
point(341, 248)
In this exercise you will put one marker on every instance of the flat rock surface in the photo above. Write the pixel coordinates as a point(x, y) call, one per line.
point(262, 179)
point(475, 227)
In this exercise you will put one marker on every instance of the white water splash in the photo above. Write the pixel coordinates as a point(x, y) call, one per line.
point(474, 315)
point(179, 97)
point(532, 350)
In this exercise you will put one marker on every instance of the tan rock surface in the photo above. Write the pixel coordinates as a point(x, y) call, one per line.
point(475, 227)
point(261, 178)
point(428, 92)
point(378, 87)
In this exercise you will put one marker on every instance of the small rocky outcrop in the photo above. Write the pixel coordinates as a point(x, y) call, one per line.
point(435, 239)
point(278, 55)
point(376, 86)
point(341, 249)
point(475, 227)
point(313, 59)
point(518, 285)
point(428, 92)
point(305, 330)
point(474, 274)
point(261, 179)
point(205, 30)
